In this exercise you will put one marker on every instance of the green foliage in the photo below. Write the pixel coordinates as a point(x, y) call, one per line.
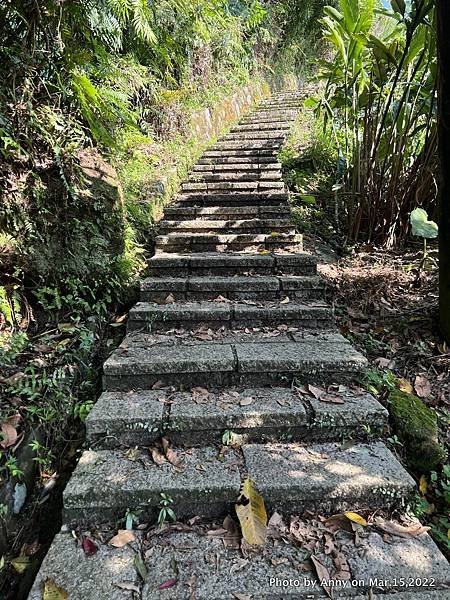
point(421, 226)
point(166, 513)
point(380, 107)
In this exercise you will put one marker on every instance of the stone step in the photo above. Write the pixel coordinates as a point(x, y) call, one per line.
point(274, 415)
point(215, 242)
point(199, 566)
point(281, 126)
point(275, 211)
point(233, 288)
point(233, 159)
point(234, 186)
point(232, 198)
point(216, 264)
point(231, 176)
point(269, 118)
point(235, 153)
point(152, 317)
point(226, 358)
point(237, 166)
point(255, 134)
point(248, 225)
point(241, 146)
point(292, 478)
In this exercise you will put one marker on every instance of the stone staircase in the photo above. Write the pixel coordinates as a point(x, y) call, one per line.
point(232, 325)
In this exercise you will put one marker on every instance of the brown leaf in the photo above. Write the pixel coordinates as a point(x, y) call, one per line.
point(322, 574)
point(89, 546)
point(157, 457)
point(173, 458)
point(9, 435)
point(404, 531)
point(158, 385)
point(422, 386)
point(246, 401)
point(170, 299)
point(316, 391)
point(405, 386)
point(125, 585)
point(232, 537)
point(200, 395)
point(332, 399)
point(168, 584)
point(123, 537)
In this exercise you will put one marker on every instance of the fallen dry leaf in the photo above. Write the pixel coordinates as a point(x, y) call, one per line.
point(422, 386)
point(52, 591)
point(352, 516)
point(252, 514)
point(125, 585)
point(157, 457)
point(405, 386)
point(170, 299)
point(168, 584)
point(89, 546)
point(247, 401)
point(322, 574)
point(9, 435)
point(423, 485)
point(123, 537)
point(404, 531)
point(231, 538)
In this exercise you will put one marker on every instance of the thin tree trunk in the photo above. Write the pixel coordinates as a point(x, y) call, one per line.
point(443, 10)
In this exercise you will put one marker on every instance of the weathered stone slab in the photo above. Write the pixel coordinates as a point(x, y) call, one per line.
point(86, 577)
point(274, 413)
point(321, 360)
point(327, 477)
point(204, 566)
point(130, 418)
point(105, 483)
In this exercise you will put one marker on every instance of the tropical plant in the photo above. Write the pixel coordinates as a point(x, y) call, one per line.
point(380, 107)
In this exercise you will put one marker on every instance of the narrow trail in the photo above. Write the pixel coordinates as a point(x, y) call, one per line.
point(232, 313)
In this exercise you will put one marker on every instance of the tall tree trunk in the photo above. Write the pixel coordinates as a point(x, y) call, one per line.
point(443, 9)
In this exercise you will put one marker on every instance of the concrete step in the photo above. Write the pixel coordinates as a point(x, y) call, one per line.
point(226, 358)
point(290, 477)
point(248, 146)
point(237, 166)
point(255, 134)
point(216, 242)
point(381, 567)
point(266, 226)
point(231, 176)
point(275, 211)
point(218, 264)
point(233, 288)
point(232, 159)
point(233, 186)
point(252, 154)
point(232, 198)
point(281, 126)
point(140, 418)
point(152, 317)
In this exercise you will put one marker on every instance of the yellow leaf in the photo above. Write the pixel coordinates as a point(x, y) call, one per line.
point(405, 386)
point(53, 591)
point(423, 485)
point(21, 563)
point(252, 514)
point(352, 516)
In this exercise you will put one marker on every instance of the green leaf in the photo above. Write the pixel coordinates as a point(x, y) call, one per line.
point(421, 226)
point(399, 6)
point(140, 567)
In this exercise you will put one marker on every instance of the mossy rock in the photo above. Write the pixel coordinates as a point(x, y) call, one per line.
point(417, 428)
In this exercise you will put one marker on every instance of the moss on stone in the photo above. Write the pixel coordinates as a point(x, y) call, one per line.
point(417, 429)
